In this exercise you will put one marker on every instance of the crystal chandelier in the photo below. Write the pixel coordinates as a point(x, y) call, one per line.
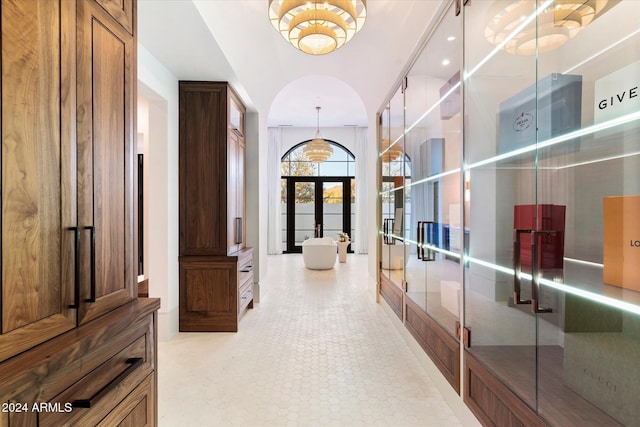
point(318, 150)
point(561, 21)
point(317, 27)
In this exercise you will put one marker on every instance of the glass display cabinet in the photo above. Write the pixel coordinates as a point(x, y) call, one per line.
point(520, 207)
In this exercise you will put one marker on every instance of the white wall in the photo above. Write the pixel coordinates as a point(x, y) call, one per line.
point(159, 90)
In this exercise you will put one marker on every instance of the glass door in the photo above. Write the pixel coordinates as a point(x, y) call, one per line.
point(588, 205)
point(317, 207)
point(500, 167)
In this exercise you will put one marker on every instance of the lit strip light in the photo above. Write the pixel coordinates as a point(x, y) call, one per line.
point(389, 147)
point(601, 299)
point(605, 159)
point(440, 250)
point(589, 263)
point(384, 193)
point(440, 101)
point(559, 139)
point(499, 47)
point(602, 51)
point(434, 177)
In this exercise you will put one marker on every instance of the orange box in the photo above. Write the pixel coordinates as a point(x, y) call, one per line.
point(622, 241)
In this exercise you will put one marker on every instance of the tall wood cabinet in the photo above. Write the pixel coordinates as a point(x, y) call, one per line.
point(68, 212)
point(216, 267)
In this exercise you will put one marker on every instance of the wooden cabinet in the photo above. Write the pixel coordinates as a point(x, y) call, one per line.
point(68, 211)
point(215, 291)
point(96, 372)
point(213, 253)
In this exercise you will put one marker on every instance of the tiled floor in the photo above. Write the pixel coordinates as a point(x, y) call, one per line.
point(316, 350)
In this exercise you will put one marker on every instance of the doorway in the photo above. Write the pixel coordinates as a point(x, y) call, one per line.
point(317, 207)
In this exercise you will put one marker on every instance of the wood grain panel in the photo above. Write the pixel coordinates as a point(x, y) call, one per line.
point(203, 173)
point(109, 174)
point(34, 288)
point(442, 348)
point(106, 76)
point(121, 11)
point(136, 410)
point(491, 401)
point(392, 294)
point(31, 231)
point(202, 293)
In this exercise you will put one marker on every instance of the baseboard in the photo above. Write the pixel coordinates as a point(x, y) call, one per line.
point(167, 324)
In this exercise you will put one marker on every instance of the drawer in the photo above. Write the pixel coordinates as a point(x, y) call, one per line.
point(245, 297)
point(245, 259)
point(90, 399)
point(135, 410)
point(244, 278)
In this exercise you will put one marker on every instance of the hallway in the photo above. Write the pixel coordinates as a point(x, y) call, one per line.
point(315, 351)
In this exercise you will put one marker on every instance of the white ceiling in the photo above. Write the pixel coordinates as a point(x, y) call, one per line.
point(233, 40)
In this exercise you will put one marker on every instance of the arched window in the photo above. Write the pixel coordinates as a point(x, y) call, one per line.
point(341, 162)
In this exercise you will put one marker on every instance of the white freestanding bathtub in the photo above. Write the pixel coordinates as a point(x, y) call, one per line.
point(319, 253)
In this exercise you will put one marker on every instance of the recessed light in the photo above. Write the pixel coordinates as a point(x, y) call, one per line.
point(451, 38)
point(446, 62)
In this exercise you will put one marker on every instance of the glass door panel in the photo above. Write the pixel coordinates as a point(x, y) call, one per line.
point(393, 177)
point(588, 194)
point(332, 209)
point(500, 180)
point(433, 142)
point(304, 212)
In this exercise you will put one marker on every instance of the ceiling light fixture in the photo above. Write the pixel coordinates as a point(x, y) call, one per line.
point(317, 27)
point(390, 152)
point(318, 150)
point(556, 24)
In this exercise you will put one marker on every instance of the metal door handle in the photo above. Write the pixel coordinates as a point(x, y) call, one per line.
point(535, 272)
point(517, 267)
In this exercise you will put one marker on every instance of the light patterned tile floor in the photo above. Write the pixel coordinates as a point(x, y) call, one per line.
point(316, 351)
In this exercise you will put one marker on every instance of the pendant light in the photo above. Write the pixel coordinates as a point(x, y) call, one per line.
point(318, 150)
point(317, 27)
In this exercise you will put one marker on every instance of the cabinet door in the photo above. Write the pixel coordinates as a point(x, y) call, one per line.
point(105, 90)
point(240, 192)
point(234, 219)
point(37, 186)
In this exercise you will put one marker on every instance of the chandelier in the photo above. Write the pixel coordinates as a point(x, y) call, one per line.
point(317, 27)
point(318, 150)
point(561, 21)
point(390, 152)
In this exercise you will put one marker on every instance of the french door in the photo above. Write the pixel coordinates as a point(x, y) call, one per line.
point(317, 207)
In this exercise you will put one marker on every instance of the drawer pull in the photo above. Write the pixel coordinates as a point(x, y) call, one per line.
point(246, 269)
point(133, 363)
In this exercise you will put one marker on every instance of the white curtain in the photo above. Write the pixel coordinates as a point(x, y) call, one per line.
point(361, 239)
point(274, 215)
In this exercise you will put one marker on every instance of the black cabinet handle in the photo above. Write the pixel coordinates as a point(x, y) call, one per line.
point(76, 267)
point(92, 295)
point(133, 363)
